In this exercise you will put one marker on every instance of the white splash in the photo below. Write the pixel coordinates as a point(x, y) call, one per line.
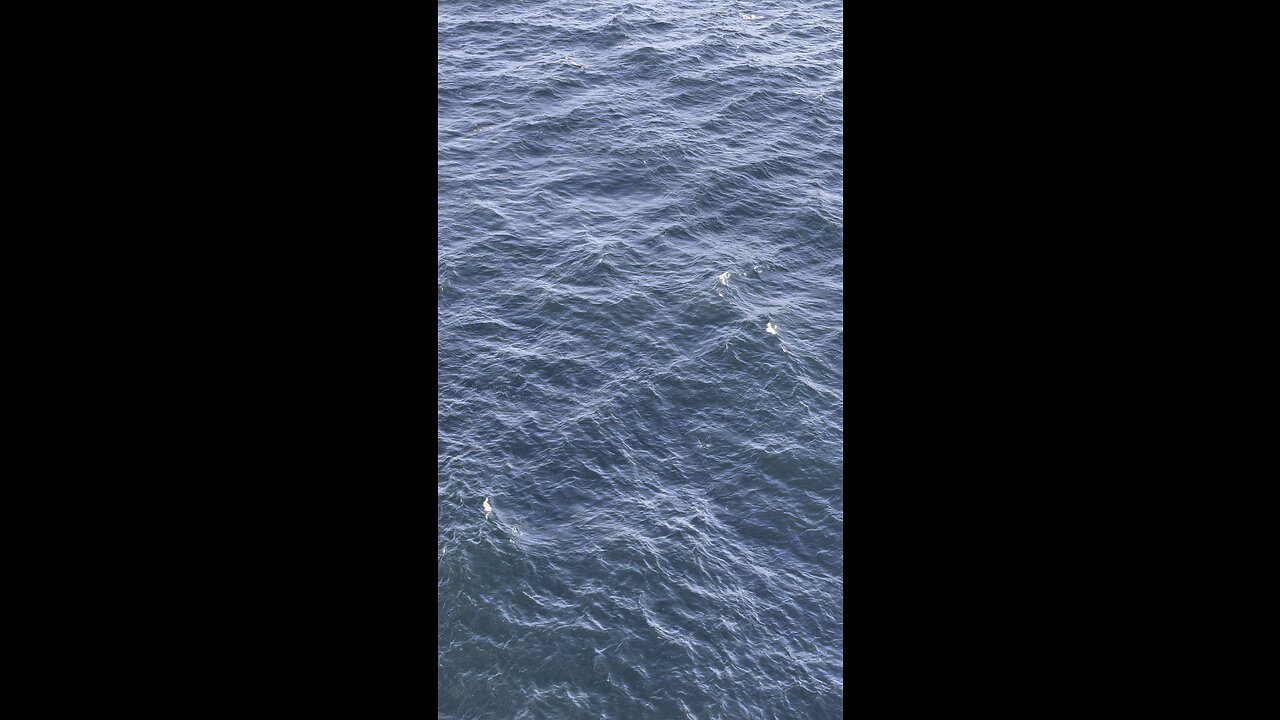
point(748, 16)
point(487, 507)
point(571, 61)
point(771, 328)
point(724, 278)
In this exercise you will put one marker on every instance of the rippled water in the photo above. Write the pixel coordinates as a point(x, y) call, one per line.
point(640, 322)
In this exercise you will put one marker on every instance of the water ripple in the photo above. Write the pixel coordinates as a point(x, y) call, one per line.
point(666, 476)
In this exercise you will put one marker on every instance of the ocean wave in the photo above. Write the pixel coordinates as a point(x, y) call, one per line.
point(615, 234)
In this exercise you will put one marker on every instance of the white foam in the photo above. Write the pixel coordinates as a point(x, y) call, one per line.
point(771, 328)
point(724, 278)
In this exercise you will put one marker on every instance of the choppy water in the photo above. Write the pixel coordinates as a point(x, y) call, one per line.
point(640, 323)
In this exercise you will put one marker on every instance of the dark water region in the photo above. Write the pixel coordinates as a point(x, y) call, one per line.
point(640, 323)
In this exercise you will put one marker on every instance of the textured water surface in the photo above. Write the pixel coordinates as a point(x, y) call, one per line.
point(640, 322)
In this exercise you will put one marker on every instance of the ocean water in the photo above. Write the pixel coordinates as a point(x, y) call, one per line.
point(640, 319)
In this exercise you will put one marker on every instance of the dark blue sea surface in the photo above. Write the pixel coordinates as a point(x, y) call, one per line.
point(640, 322)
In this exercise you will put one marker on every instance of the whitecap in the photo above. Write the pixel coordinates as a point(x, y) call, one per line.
point(771, 328)
point(724, 278)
